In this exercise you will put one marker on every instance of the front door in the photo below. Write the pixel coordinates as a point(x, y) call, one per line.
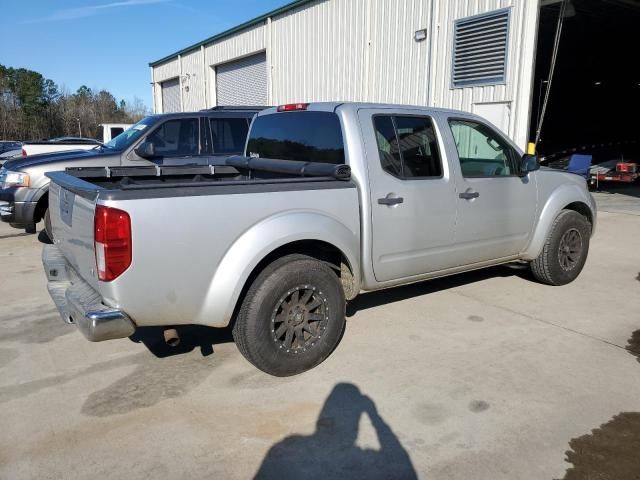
point(413, 211)
point(496, 206)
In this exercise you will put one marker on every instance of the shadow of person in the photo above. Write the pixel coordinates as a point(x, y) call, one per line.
point(331, 451)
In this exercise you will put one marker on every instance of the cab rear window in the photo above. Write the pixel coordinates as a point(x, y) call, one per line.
point(306, 136)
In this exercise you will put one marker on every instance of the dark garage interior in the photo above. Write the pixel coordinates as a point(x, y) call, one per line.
point(595, 89)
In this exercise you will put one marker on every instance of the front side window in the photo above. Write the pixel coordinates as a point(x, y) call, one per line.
point(482, 152)
point(407, 146)
point(307, 136)
point(228, 134)
point(176, 138)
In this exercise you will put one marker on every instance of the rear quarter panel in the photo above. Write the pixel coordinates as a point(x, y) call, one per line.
point(192, 255)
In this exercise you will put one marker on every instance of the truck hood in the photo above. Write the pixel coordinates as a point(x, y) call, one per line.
point(64, 157)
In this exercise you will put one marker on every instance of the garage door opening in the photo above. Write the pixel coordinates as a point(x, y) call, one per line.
point(242, 82)
point(170, 95)
point(595, 90)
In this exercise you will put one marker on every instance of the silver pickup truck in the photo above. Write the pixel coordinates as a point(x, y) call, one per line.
point(330, 200)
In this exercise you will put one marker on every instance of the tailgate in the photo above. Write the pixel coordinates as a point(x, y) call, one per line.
point(72, 220)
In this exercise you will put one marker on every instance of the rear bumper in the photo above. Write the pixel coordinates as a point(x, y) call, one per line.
point(79, 304)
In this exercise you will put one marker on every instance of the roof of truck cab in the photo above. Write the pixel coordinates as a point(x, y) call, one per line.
point(332, 106)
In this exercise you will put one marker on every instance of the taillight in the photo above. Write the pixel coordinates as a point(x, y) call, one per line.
point(292, 107)
point(112, 236)
point(24, 153)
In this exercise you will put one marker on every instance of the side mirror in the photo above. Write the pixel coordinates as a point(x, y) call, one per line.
point(528, 163)
point(146, 150)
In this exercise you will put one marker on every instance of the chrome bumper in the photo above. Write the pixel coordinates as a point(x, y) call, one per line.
point(7, 211)
point(79, 304)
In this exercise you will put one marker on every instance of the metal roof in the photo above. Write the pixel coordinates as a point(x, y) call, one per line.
point(231, 31)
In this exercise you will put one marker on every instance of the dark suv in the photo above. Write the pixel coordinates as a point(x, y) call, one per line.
point(207, 137)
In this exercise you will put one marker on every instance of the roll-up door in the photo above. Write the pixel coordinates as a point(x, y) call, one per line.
point(170, 95)
point(242, 82)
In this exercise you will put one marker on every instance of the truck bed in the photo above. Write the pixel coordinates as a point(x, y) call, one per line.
point(193, 226)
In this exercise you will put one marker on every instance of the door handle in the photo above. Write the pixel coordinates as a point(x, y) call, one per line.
point(390, 200)
point(469, 195)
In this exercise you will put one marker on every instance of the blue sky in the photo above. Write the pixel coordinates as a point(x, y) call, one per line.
point(109, 43)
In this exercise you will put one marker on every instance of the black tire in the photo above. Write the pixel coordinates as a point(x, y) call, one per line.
point(565, 250)
point(277, 300)
point(30, 228)
point(47, 225)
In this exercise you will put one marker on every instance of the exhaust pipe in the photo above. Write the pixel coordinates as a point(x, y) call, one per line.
point(171, 337)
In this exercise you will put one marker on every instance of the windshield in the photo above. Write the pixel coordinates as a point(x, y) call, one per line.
point(133, 133)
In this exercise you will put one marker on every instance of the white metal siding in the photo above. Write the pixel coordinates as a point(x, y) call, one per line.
point(164, 71)
point(515, 92)
point(364, 50)
point(170, 95)
point(193, 83)
point(242, 82)
point(318, 52)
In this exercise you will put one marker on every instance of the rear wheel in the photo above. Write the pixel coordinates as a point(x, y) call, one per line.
point(292, 316)
point(565, 250)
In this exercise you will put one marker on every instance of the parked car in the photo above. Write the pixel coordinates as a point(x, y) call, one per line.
point(200, 138)
point(6, 146)
point(331, 199)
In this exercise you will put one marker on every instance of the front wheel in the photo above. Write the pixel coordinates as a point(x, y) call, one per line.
point(565, 250)
point(291, 317)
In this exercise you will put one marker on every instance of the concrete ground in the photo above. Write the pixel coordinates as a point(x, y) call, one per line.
point(485, 375)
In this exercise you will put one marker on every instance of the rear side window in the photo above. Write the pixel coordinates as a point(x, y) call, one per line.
point(228, 134)
point(407, 146)
point(305, 136)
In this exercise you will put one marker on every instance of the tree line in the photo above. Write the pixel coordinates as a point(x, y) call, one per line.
point(33, 107)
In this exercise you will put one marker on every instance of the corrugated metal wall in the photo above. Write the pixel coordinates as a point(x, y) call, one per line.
point(515, 93)
point(193, 81)
point(364, 50)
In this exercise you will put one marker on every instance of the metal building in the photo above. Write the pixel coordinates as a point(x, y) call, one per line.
point(474, 55)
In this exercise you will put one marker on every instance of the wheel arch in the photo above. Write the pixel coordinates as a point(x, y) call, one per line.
point(568, 197)
point(321, 237)
point(41, 205)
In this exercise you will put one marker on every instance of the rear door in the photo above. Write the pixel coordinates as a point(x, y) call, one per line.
point(226, 135)
point(413, 208)
point(496, 207)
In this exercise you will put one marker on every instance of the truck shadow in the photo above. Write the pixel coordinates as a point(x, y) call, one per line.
point(382, 297)
point(609, 452)
point(332, 452)
point(191, 337)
